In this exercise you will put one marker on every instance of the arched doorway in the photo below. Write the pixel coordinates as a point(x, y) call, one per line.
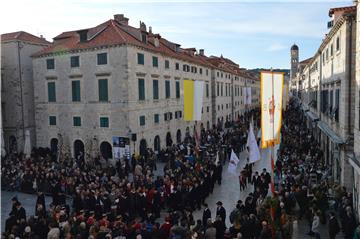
point(169, 141)
point(54, 147)
point(143, 147)
point(178, 136)
point(78, 148)
point(12, 144)
point(157, 143)
point(106, 150)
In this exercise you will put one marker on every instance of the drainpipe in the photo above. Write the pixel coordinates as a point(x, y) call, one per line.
point(350, 19)
point(21, 91)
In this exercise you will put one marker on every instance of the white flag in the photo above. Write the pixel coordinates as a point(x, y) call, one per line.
point(254, 153)
point(248, 95)
point(234, 160)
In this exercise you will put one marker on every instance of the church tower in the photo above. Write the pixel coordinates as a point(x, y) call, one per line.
point(294, 55)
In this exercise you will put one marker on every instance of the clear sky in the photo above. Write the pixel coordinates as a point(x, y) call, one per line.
point(251, 33)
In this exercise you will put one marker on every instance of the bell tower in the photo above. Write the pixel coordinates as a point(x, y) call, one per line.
point(294, 55)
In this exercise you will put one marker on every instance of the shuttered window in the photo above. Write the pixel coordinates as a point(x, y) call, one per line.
point(75, 85)
point(103, 90)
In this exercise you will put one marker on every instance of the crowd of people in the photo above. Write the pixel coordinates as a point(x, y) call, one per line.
point(129, 200)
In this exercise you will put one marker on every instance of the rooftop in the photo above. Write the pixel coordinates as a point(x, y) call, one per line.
point(23, 36)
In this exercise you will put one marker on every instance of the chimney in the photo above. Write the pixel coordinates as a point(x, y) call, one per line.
point(83, 35)
point(121, 19)
point(201, 52)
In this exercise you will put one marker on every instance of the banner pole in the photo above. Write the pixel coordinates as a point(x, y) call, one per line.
point(273, 136)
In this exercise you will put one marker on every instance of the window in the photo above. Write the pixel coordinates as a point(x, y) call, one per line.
point(103, 90)
point(104, 122)
point(142, 120)
point(218, 89)
point(331, 50)
point(140, 59)
point(338, 44)
point(102, 58)
point(177, 66)
point(165, 116)
point(207, 72)
point(51, 92)
point(144, 38)
point(75, 61)
point(155, 61)
point(177, 89)
point(75, 85)
point(207, 109)
point(200, 71)
point(222, 89)
point(52, 120)
point(167, 89)
point(207, 90)
point(337, 105)
point(155, 89)
point(50, 64)
point(141, 88)
point(76, 121)
point(327, 53)
point(217, 73)
point(156, 118)
point(167, 64)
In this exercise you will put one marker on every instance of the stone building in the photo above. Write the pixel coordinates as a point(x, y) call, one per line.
point(326, 87)
point(118, 80)
point(355, 158)
point(17, 91)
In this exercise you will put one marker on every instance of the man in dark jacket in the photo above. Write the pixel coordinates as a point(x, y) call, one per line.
point(220, 211)
point(333, 226)
point(206, 215)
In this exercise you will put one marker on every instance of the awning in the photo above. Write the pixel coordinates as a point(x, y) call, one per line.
point(312, 116)
point(355, 162)
point(330, 133)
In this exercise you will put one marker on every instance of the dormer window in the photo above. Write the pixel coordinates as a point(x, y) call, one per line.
point(143, 38)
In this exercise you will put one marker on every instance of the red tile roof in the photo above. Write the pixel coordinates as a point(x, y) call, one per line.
point(23, 36)
point(112, 33)
point(342, 9)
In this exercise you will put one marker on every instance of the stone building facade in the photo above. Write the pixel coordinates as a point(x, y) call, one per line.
point(118, 80)
point(17, 91)
point(326, 86)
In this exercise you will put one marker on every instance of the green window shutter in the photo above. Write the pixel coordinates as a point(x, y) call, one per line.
point(177, 84)
point(74, 61)
point(102, 59)
point(141, 85)
point(104, 122)
point(75, 91)
point(155, 61)
point(167, 89)
point(103, 90)
point(207, 90)
point(155, 89)
point(77, 121)
point(142, 120)
point(167, 64)
point(140, 59)
point(156, 118)
point(52, 120)
point(51, 92)
point(50, 64)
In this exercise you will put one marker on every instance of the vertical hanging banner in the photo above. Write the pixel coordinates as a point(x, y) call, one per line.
point(244, 91)
point(271, 107)
point(193, 99)
point(248, 95)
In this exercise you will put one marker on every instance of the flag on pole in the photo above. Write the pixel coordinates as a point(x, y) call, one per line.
point(193, 99)
point(234, 160)
point(271, 107)
point(254, 153)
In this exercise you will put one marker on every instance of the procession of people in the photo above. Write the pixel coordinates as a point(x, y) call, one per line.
point(132, 200)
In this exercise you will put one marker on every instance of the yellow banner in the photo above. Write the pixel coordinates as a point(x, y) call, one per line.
point(188, 100)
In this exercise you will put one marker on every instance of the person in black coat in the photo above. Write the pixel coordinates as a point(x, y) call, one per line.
point(333, 226)
point(206, 215)
point(40, 200)
point(220, 211)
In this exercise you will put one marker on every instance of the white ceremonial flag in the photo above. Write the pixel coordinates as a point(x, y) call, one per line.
point(271, 107)
point(234, 160)
point(254, 152)
point(198, 99)
point(248, 95)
